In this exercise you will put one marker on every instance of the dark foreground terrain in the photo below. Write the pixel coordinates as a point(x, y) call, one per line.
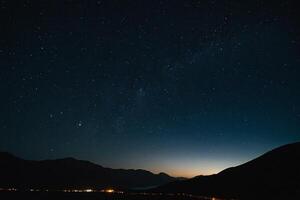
point(274, 175)
point(91, 196)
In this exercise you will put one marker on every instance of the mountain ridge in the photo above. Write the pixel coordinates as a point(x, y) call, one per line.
point(71, 172)
point(274, 174)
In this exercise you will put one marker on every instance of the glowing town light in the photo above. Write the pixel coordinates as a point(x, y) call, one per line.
point(108, 190)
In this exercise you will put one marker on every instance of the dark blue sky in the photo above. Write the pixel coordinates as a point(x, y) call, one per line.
point(184, 87)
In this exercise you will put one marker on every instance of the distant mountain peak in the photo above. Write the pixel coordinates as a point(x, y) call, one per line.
point(163, 174)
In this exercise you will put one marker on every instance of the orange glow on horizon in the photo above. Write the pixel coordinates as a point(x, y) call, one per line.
point(189, 173)
point(191, 168)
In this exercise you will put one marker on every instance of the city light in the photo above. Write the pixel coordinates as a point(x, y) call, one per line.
point(110, 190)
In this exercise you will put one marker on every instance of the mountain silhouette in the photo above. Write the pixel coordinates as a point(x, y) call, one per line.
point(72, 173)
point(274, 175)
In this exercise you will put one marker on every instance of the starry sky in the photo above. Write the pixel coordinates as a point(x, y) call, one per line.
point(184, 87)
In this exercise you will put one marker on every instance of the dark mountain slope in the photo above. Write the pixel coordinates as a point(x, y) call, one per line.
point(275, 174)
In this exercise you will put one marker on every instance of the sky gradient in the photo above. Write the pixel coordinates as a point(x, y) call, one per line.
point(184, 87)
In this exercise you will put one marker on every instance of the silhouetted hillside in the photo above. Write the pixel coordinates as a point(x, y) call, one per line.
point(69, 172)
point(275, 174)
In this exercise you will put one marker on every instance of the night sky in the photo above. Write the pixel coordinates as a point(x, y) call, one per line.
point(184, 87)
